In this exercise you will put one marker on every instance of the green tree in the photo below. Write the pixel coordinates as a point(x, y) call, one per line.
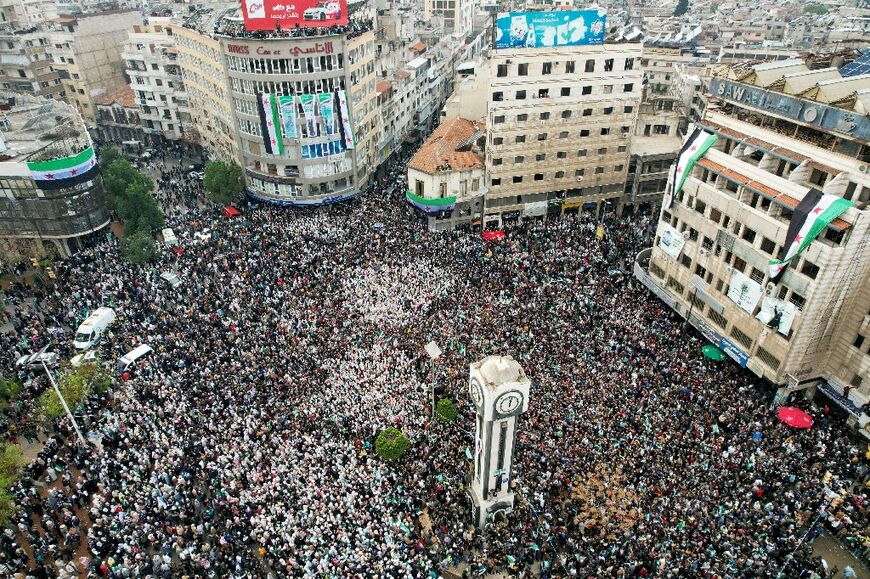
point(11, 463)
point(138, 247)
point(7, 507)
point(391, 443)
point(682, 7)
point(9, 389)
point(119, 176)
point(446, 410)
point(223, 181)
point(816, 9)
point(109, 156)
point(72, 387)
point(139, 210)
point(96, 377)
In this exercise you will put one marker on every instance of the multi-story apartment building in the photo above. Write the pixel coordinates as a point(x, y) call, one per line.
point(118, 119)
point(791, 144)
point(26, 62)
point(25, 13)
point(51, 188)
point(458, 15)
point(151, 59)
point(87, 52)
point(559, 125)
point(661, 62)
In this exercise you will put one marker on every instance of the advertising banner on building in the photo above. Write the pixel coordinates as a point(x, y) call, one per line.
point(287, 106)
point(548, 29)
point(777, 314)
point(327, 111)
point(311, 128)
point(743, 291)
point(274, 14)
point(346, 130)
point(672, 241)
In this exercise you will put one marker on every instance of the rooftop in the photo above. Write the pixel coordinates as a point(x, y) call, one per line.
point(449, 148)
point(123, 96)
point(39, 129)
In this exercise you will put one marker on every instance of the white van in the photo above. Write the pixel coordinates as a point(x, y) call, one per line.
point(91, 330)
point(169, 239)
point(130, 358)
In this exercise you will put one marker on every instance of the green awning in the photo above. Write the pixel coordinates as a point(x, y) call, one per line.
point(713, 353)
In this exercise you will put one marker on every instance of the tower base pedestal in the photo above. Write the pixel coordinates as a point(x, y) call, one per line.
point(487, 510)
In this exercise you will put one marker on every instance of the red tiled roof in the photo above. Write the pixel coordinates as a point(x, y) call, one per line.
point(123, 96)
point(383, 86)
point(439, 150)
point(419, 47)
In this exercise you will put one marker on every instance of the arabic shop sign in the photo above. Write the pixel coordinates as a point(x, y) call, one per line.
point(317, 48)
point(800, 110)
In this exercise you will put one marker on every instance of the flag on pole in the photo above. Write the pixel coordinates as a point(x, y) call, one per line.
point(693, 149)
point(814, 212)
point(270, 123)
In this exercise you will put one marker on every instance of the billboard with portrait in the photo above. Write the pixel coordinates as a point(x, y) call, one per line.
point(548, 29)
point(270, 14)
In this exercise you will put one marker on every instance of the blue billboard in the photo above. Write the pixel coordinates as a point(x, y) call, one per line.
point(547, 29)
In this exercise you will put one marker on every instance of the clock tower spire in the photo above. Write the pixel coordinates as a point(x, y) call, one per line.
point(499, 389)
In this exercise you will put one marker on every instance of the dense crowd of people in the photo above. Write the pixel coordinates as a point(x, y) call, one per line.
point(243, 445)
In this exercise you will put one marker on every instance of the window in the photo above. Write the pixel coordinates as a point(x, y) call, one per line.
point(700, 206)
point(718, 318)
point(498, 120)
point(569, 67)
point(748, 235)
point(605, 131)
point(741, 337)
point(707, 243)
point(629, 64)
point(767, 245)
point(810, 269)
point(586, 90)
point(628, 109)
point(608, 65)
point(519, 159)
point(521, 95)
point(859, 341)
point(566, 91)
point(768, 358)
point(581, 153)
point(518, 179)
point(561, 155)
point(543, 93)
point(618, 168)
point(497, 161)
point(502, 70)
point(496, 182)
point(547, 68)
point(798, 300)
point(628, 87)
point(540, 157)
point(542, 136)
point(566, 114)
point(715, 215)
point(602, 151)
point(857, 380)
point(590, 65)
point(539, 176)
point(608, 110)
point(498, 96)
point(523, 69)
point(563, 135)
point(685, 260)
point(599, 170)
point(522, 118)
point(656, 270)
point(584, 132)
point(544, 116)
point(587, 112)
point(607, 89)
point(520, 139)
point(757, 275)
point(739, 264)
point(560, 174)
point(621, 149)
point(498, 140)
point(661, 129)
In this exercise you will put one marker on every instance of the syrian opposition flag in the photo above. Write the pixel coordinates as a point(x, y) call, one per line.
point(693, 149)
point(65, 172)
point(814, 212)
point(270, 123)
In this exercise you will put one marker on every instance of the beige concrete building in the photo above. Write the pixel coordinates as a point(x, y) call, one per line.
point(86, 50)
point(559, 127)
point(24, 13)
point(26, 62)
point(782, 130)
point(151, 60)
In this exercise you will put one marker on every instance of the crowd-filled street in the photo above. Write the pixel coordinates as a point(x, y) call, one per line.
point(243, 445)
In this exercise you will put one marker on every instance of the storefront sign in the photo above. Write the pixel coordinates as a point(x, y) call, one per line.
point(733, 351)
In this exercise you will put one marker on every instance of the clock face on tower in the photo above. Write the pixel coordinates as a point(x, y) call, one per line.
point(476, 392)
point(509, 402)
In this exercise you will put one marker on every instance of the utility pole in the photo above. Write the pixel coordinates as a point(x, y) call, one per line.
point(434, 352)
point(62, 401)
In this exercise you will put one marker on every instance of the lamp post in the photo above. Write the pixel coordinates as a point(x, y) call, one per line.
point(434, 352)
point(61, 398)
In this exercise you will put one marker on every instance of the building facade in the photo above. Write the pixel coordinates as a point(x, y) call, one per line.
point(151, 60)
point(783, 133)
point(559, 127)
point(86, 51)
point(51, 188)
point(26, 62)
point(118, 119)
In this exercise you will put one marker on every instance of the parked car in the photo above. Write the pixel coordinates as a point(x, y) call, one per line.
point(323, 10)
point(36, 360)
point(127, 360)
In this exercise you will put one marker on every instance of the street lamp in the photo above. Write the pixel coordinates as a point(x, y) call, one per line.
point(60, 397)
point(434, 352)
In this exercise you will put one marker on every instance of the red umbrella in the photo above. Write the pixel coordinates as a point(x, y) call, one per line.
point(795, 417)
point(496, 235)
point(231, 211)
point(177, 250)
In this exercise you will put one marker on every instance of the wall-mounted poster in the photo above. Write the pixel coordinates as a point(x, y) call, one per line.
point(744, 291)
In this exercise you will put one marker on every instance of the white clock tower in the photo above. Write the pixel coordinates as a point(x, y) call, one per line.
point(500, 391)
